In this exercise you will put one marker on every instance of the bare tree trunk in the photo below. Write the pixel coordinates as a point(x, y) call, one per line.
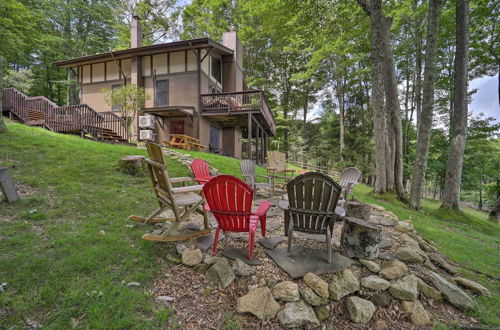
point(495, 212)
point(3, 128)
point(340, 97)
point(458, 122)
point(392, 104)
point(377, 99)
point(424, 129)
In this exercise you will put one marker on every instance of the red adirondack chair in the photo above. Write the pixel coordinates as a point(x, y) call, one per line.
point(200, 171)
point(230, 201)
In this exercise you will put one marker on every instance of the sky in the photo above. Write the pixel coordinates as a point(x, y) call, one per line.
point(486, 98)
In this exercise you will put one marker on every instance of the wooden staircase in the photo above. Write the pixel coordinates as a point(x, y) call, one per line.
point(77, 119)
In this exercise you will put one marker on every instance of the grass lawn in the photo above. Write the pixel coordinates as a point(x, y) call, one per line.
point(67, 255)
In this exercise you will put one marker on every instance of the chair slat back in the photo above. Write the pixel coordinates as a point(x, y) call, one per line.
point(349, 175)
point(200, 169)
point(230, 201)
point(248, 171)
point(159, 176)
point(313, 197)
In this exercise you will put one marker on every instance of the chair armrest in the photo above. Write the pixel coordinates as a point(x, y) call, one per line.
point(265, 176)
point(284, 205)
point(183, 190)
point(262, 209)
point(181, 179)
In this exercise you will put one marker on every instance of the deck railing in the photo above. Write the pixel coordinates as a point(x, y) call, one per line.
point(232, 102)
point(69, 119)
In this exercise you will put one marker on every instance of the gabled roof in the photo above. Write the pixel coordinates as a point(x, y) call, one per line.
point(147, 50)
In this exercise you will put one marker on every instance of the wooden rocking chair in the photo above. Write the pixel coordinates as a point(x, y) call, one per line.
point(182, 201)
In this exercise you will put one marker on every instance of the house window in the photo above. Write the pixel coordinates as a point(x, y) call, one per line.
point(114, 88)
point(161, 97)
point(217, 69)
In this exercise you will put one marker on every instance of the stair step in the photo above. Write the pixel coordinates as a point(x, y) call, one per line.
point(35, 122)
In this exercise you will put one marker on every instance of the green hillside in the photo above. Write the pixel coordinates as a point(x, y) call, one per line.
point(67, 254)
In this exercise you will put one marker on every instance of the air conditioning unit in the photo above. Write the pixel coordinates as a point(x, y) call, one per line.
point(146, 134)
point(146, 121)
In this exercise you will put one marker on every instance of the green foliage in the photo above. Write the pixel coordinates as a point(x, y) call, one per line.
point(129, 99)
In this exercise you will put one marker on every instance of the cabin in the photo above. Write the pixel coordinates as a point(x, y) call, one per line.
point(195, 87)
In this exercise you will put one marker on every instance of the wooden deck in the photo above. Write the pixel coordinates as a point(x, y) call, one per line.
point(74, 119)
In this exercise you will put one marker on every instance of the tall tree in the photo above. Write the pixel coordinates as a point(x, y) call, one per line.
point(424, 128)
point(394, 142)
point(458, 120)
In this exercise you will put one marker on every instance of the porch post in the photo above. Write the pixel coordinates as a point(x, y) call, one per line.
point(262, 150)
point(257, 154)
point(249, 136)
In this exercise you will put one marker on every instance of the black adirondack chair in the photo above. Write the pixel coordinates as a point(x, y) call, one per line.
point(312, 199)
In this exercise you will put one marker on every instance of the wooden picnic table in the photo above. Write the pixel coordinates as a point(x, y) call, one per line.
point(184, 142)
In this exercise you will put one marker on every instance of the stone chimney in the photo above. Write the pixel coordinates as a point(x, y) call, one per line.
point(135, 32)
point(233, 69)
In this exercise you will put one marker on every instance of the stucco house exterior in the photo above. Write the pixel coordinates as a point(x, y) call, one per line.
point(196, 87)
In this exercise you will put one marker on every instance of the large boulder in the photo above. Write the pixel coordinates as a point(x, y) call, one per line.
point(405, 288)
point(410, 254)
point(404, 226)
point(192, 257)
point(259, 302)
point(438, 260)
point(286, 291)
point(371, 265)
point(360, 310)
point(393, 269)
point(242, 269)
point(311, 297)
point(451, 292)
point(375, 283)
point(221, 273)
point(418, 314)
point(428, 290)
point(343, 284)
point(468, 284)
point(297, 314)
point(381, 299)
point(316, 283)
point(322, 312)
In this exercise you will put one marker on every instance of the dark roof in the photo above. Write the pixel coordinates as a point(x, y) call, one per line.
point(147, 50)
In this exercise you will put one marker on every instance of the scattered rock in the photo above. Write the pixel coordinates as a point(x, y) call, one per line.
point(409, 254)
point(133, 284)
point(297, 314)
point(316, 283)
point(286, 291)
point(192, 257)
point(440, 262)
point(259, 302)
point(451, 292)
point(210, 260)
point(381, 325)
point(322, 312)
point(165, 298)
point(428, 290)
point(377, 207)
point(424, 244)
point(201, 268)
point(375, 283)
point(405, 288)
point(381, 299)
point(343, 284)
point(371, 265)
point(180, 248)
point(418, 314)
point(312, 298)
point(270, 243)
point(360, 310)
point(221, 273)
point(390, 215)
point(404, 226)
point(468, 284)
point(242, 269)
point(393, 269)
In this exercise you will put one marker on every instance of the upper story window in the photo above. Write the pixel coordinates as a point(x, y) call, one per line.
point(161, 96)
point(217, 69)
point(113, 89)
